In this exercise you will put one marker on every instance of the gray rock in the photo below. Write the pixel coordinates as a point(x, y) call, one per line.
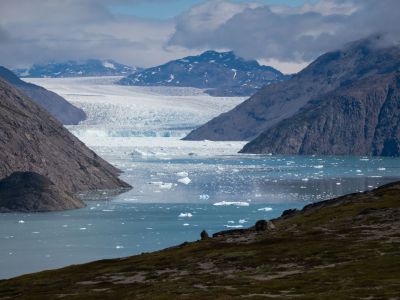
point(263, 225)
point(204, 235)
point(32, 192)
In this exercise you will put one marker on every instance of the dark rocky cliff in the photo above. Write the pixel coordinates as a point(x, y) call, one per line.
point(282, 100)
point(32, 140)
point(32, 192)
point(362, 118)
point(56, 105)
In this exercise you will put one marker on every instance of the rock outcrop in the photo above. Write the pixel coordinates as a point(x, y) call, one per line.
point(220, 73)
point(56, 105)
point(280, 101)
point(32, 192)
point(32, 140)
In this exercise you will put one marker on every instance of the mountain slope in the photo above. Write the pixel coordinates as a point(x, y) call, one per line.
point(344, 248)
point(90, 67)
point(31, 192)
point(280, 101)
point(32, 140)
point(360, 119)
point(223, 74)
point(56, 105)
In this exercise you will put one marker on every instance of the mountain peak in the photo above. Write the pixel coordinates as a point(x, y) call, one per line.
point(220, 73)
point(72, 68)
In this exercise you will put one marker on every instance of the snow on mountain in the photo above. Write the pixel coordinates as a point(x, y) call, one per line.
point(219, 73)
point(91, 67)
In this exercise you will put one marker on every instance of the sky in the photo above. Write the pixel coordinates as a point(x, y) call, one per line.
point(286, 34)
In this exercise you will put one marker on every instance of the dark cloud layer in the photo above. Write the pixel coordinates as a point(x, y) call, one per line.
point(293, 34)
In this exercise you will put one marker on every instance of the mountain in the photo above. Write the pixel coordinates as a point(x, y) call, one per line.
point(56, 105)
point(32, 140)
point(220, 73)
point(32, 192)
point(362, 118)
point(90, 67)
point(344, 248)
point(274, 103)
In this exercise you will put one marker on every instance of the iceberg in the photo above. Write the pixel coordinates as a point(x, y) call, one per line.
point(185, 180)
point(229, 203)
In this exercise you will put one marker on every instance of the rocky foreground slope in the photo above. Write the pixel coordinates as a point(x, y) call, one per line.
point(333, 71)
point(32, 140)
point(56, 105)
point(220, 73)
point(344, 248)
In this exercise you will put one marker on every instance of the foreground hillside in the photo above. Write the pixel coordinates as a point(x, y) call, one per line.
point(345, 248)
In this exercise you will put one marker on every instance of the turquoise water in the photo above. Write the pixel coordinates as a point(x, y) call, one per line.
point(230, 191)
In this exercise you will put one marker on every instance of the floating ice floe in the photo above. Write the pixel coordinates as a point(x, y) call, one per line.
point(119, 247)
point(228, 203)
point(186, 224)
point(185, 180)
point(242, 221)
point(381, 169)
point(21, 221)
point(182, 174)
point(265, 209)
point(185, 215)
point(233, 226)
point(163, 185)
point(319, 167)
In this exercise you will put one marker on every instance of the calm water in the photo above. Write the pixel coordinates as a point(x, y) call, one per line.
point(225, 191)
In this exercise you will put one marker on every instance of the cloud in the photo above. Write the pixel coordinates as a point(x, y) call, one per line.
point(48, 30)
point(33, 31)
point(287, 34)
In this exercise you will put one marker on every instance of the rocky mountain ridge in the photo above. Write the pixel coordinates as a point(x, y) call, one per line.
point(220, 73)
point(280, 101)
point(71, 68)
point(362, 118)
point(56, 105)
point(32, 140)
